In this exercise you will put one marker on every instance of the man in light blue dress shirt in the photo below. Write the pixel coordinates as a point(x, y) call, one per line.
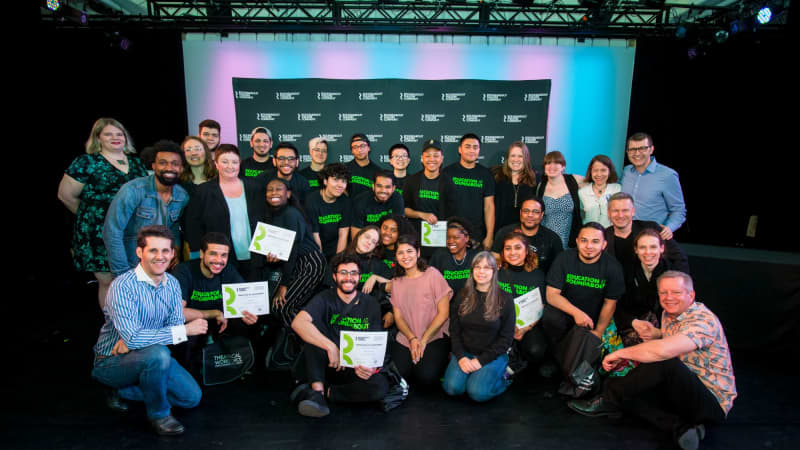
point(144, 314)
point(655, 187)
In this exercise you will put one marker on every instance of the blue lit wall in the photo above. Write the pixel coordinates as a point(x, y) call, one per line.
point(589, 100)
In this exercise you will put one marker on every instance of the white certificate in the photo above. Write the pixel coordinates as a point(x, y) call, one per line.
point(434, 235)
point(250, 297)
point(529, 308)
point(362, 348)
point(270, 239)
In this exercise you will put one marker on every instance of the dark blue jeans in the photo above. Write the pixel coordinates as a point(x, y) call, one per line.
point(482, 385)
point(149, 375)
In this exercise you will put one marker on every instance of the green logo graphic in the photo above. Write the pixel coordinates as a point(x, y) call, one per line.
point(232, 297)
point(259, 237)
point(347, 348)
point(427, 232)
point(516, 311)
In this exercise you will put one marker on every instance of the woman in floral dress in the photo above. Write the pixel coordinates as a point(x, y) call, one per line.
point(87, 188)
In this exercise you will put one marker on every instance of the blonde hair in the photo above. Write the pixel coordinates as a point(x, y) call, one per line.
point(93, 144)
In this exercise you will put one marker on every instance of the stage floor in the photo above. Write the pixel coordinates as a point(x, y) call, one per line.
point(52, 403)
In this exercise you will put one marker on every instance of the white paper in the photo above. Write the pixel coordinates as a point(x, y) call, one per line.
point(270, 239)
point(362, 348)
point(434, 235)
point(529, 308)
point(250, 297)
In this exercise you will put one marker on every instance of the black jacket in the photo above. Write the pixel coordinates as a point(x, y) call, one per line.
point(208, 211)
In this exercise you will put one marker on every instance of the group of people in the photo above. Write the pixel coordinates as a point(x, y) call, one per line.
point(598, 249)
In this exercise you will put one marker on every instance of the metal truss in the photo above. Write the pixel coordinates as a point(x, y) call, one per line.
point(612, 18)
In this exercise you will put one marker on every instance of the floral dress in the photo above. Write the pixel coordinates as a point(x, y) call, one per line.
point(101, 181)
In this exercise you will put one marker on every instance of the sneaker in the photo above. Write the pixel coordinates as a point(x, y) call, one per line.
point(690, 439)
point(299, 393)
point(594, 407)
point(313, 404)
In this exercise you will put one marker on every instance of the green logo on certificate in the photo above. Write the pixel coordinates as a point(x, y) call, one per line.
point(231, 298)
point(262, 232)
point(347, 348)
point(427, 232)
point(516, 311)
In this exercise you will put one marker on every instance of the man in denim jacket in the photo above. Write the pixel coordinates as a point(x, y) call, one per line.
point(151, 200)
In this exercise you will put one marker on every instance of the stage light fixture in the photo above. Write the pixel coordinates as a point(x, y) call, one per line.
point(53, 5)
point(680, 32)
point(764, 15)
point(721, 36)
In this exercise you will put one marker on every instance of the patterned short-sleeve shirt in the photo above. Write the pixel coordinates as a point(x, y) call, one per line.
point(711, 361)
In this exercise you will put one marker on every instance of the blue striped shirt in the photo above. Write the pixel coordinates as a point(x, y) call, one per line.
point(141, 313)
point(656, 193)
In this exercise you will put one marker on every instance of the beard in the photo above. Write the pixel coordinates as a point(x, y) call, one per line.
point(167, 181)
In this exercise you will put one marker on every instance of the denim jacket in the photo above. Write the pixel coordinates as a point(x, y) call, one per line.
point(137, 204)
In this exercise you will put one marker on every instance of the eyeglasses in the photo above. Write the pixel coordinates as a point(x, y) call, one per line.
point(400, 157)
point(286, 158)
point(531, 211)
point(358, 146)
point(641, 149)
point(352, 273)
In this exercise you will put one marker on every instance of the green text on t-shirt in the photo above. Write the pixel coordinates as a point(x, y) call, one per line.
point(206, 296)
point(468, 182)
point(330, 218)
point(456, 274)
point(590, 282)
point(433, 195)
point(361, 180)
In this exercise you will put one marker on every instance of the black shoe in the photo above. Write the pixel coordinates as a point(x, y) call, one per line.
point(167, 426)
point(594, 407)
point(299, 393)
point(313, 405)
point(114, 401)
point(691, 437)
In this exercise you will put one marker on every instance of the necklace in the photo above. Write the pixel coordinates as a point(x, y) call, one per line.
point(516, 193)
point(599, 190)
point(462, 260)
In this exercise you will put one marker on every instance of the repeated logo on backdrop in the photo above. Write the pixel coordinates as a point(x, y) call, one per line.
point(391, 111)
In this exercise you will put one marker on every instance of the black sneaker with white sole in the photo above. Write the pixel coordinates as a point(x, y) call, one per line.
point(313, 404)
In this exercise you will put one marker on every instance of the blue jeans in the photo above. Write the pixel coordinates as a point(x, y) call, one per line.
point(149, 375)
point(482, 385)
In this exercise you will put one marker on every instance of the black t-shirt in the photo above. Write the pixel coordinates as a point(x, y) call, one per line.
point(367, 211)
point(471, 333)
point(298, 184)
point(360, 177)
point(250, 168)
point(201, 292)
point(290, 218)
point(330, 314)
point(463, 191)
point(586, 286)
point(505, 208)
point(327, 218)
point(422, 194)
point(545, 243)
point(516, 281)
point(313, 178)
point(455, 274)
point(399, 183)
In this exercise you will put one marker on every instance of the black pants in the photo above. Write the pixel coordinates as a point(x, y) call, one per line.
point(667, 394)
point(345, 385)
point(533, 345)
point(429, 371)
point(556, 324)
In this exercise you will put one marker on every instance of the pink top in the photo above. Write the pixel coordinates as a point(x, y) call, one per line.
point(416, 299)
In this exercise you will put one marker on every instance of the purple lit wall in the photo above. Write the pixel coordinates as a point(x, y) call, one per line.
point(589, 100)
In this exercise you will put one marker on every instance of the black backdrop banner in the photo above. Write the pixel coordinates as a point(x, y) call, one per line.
point(391, 111)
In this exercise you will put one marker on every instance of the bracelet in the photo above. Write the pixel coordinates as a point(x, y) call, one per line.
point(414, 337)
